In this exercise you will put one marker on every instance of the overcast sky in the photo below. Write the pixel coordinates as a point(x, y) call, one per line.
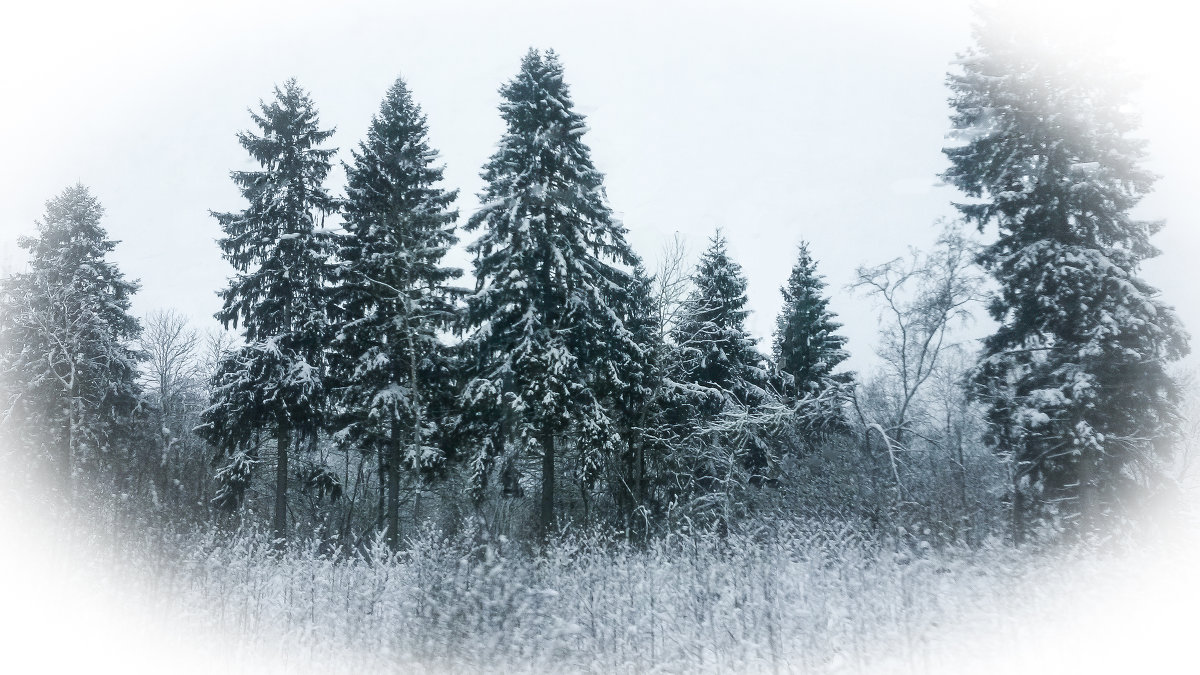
point(776, 122)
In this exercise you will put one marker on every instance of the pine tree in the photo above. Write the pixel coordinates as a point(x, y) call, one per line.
point(807, 346)
point(550, 268)
point(394, 296)
point(714, 351)
point(67, 350)
point(635, 393)
point(720, 380)
point(281, 253)
point(1074, 378)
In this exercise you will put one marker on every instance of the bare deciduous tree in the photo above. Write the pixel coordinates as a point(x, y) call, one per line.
point(1189, 428)
point(922, 298)
point(171, 347)
point(172, 373)
point(672, 283)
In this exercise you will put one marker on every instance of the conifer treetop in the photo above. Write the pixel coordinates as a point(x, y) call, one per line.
point(277, 244)
point(714, 348)
point(71, 246)
point(806, 344)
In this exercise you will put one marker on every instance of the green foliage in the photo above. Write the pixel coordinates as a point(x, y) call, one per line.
point(67, 352)
point(393, 294)
point(549, 344)
point(714, 353)
point(807, 346)
point(281, 252)
point(1075, 375)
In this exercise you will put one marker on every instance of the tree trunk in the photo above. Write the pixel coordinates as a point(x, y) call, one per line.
point(279, 527)
point(872, 471)
point(1018, 511)
point(381, 505)
point(632, 490)
point(162, 482)
point(417, 441)
point(547, 511)
point(69, 454)
point(962, 469)
point(641, 474)
point(1086, 495)
point(393, 486)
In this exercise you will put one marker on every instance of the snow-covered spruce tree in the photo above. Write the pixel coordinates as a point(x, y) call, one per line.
point(67, 345)
point(807, 346)
point(720, 378)
point(636, 393)
point(393, 296)
point(1075, 377)
point(715, 352)
point(550, 264)
point(279, 297)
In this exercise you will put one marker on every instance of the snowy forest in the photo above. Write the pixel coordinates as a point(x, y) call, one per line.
point(574, 456)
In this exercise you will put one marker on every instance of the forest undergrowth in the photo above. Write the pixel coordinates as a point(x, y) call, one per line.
point(785, 596)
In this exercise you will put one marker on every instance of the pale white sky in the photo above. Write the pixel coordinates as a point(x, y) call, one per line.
point(777, 122)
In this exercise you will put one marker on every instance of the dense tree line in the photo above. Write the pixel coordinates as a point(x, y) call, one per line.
point(569, 384)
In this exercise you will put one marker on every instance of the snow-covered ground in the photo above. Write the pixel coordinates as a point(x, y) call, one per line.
point(806, 599)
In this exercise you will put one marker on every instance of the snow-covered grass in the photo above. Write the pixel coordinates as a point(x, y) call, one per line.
point(788, 597)
point(801, 598)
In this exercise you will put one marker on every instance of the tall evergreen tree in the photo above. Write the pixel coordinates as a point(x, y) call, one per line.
point(635, 393)
point(807, 346)
point(1075, 376)
point(720, 379)
point(714, 351)
point(67, 355)
point(281, 253)
point(551, 270)
point(394, 296)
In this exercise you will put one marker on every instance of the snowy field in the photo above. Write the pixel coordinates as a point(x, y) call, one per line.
point(795, 599)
